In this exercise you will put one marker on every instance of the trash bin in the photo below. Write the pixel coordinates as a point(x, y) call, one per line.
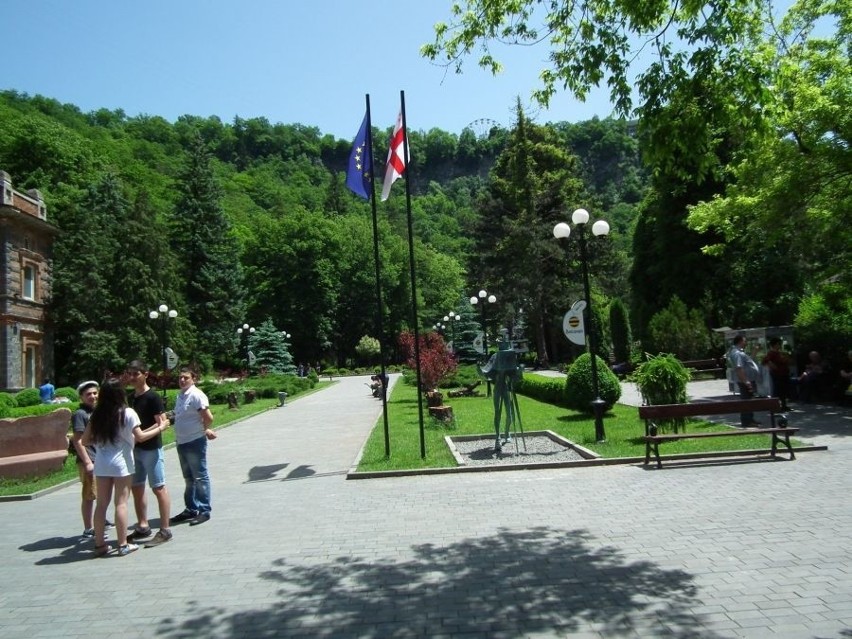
point(281, 397)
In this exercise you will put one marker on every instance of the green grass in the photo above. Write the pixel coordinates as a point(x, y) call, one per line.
point(222, 417)
point(475, 415)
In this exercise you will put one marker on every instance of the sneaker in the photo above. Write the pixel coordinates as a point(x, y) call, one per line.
point(200, 519)
point(126, 549)
point(186, 515)
point(139, 533)
point(108, 524)
point(163, 535)
point(89, 533)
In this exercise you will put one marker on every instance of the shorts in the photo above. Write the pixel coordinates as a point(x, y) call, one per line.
point(88, 482)
point(150, 466)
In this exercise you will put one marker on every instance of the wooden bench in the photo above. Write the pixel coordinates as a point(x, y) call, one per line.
point(711, 366)
point(654, 414)
point(34, 445)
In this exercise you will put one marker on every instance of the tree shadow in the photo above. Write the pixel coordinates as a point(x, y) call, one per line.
point(270, 473)
point(509, 584)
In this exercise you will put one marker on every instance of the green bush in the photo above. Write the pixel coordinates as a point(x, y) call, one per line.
point(68, 393)
point(464, 375)
point(579, 389)
point(662, 380)
point(266, 386)
point(8, 400)
point(543, 389)
point(28, 397)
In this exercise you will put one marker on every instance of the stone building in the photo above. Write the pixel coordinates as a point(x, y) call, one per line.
point(26, 246)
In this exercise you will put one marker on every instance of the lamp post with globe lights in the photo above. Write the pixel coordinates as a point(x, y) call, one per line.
point(164, 314)
point(580, 218)
point(474, 300)
point(480, 299)
point(452, 317)
point(244, 331)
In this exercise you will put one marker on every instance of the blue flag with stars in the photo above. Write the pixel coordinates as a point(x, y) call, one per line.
point(358, 175)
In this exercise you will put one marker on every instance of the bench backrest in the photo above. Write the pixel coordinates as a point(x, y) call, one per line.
point(702, 363)
point(695, 409)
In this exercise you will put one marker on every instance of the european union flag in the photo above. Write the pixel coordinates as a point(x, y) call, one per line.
point(358, 175)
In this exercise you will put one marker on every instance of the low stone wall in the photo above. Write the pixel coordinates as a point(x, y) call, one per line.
point(34, 445)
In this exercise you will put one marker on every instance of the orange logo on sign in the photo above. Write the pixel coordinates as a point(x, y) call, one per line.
point(573, 322)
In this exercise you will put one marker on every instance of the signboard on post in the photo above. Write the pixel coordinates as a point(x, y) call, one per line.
point(172, 358)
point(573, 325)
point(478, 344)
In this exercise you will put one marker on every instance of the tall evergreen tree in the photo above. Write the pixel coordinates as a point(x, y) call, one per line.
point(534, 184)
point(269, 346)
point(208, 255)
point(84, 308)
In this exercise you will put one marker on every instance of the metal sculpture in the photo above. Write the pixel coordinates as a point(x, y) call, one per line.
point(503, 371)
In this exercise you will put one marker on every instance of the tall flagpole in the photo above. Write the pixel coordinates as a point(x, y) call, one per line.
point(413, 279)
point(379, 312)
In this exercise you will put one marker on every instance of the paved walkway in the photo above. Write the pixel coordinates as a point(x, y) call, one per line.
point(745, 549)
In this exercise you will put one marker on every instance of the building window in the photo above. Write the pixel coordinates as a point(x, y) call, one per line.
point(29, 288)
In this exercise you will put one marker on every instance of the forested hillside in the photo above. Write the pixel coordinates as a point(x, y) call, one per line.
point(241, 222)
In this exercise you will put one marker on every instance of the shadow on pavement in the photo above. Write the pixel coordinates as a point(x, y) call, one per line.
point(72, 549)
point(509, 584)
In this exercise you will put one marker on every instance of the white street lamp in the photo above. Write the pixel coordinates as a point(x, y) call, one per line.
point(580, 218)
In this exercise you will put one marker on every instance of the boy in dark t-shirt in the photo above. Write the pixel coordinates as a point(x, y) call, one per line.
point(148, 456)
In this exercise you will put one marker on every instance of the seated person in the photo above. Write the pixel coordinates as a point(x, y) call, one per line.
point(845, 382)
point(811, 381)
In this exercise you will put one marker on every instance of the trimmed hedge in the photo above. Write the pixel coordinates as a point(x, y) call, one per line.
point(267, 386)
point(68, 393)
point(28, 397)
point(8, 400)
point(579, 384)
point(545, 389)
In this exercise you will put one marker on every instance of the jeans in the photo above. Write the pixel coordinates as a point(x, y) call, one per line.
point(746, 392)
point(193, 464)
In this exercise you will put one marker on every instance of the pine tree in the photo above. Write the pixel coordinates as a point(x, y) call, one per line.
point(271, 351)
point(84, 309)
point(209, 257)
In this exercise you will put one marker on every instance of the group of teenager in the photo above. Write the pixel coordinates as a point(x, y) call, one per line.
point(117, 438)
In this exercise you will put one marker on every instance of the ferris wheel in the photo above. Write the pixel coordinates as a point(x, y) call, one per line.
point(482, 127)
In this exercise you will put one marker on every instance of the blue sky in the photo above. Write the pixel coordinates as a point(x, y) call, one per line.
point(291, 61)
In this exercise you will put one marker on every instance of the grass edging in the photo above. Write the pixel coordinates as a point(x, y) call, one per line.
point(611, 461)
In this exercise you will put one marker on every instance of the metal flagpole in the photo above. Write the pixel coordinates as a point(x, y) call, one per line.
point(379, 313)
point(414, 317)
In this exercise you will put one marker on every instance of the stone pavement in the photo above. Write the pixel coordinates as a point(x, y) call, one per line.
point(743, 549)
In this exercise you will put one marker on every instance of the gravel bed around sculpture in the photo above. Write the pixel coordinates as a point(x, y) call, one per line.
point(535, 447)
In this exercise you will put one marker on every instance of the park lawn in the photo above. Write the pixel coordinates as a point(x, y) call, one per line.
point(475, 415)
point(222, 417)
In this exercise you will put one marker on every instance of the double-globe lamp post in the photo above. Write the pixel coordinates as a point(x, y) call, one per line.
point(452, 318)
point(483, 295)
point(244, 331)
point(580, 218)
point(480, 299)
point(164, 313)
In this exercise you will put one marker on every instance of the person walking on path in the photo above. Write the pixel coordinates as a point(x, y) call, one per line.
point(192, 430)
point(114, 428)
point(746, 371)
point(148, 456)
